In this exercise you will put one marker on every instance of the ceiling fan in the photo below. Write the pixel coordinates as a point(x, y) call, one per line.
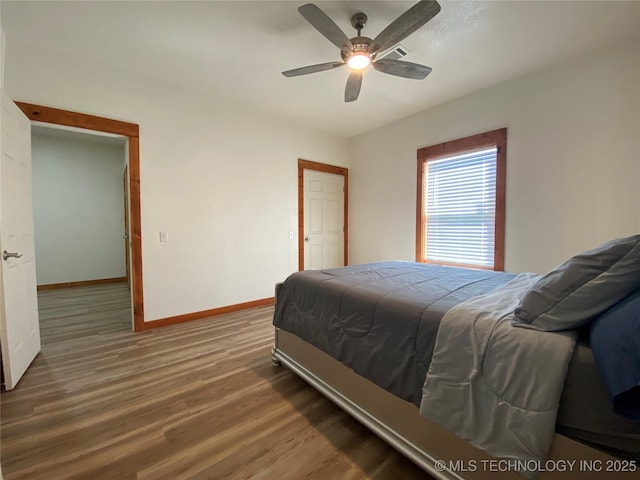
point(360, 52)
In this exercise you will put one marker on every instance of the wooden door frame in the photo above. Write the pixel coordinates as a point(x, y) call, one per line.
point(320, 167)
point(55, 116)
point(127, 260)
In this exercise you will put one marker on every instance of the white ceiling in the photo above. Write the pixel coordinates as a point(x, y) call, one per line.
point(236, 50)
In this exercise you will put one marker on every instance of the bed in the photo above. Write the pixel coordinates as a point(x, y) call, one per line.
point(342, 331)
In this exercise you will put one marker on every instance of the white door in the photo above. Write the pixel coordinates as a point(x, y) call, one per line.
point(19, 327)
point(323, 220)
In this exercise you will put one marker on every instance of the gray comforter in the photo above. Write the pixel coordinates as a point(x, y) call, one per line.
point(496, 385)
point(379, 319)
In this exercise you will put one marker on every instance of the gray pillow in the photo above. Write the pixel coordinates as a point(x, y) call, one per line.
point(582, 287)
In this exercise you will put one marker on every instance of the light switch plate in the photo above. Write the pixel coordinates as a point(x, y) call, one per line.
point(164, 237)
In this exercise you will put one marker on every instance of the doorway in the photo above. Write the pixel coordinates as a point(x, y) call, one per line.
point(53, 116)
point(78, 207)
point(323, 192)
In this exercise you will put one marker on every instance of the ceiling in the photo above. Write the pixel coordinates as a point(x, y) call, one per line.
point(235, 50)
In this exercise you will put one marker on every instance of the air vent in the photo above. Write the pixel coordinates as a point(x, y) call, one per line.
point(395, 53)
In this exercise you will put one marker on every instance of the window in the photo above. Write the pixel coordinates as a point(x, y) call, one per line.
point(460, 202)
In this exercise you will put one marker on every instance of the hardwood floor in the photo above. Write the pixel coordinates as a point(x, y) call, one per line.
point(199, 400)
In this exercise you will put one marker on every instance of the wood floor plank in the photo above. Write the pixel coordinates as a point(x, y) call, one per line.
point(198, 400)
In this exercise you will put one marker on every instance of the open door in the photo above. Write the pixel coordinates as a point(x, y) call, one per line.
point(19, 325)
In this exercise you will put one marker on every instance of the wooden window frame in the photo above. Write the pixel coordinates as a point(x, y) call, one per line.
point(496, 138)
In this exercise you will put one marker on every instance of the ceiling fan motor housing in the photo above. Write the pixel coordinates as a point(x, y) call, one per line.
point(360, 47)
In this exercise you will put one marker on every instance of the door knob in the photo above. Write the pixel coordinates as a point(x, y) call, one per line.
point(306, 239)
point(6, 255)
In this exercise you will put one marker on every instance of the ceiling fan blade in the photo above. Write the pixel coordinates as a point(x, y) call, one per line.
point(320, 67)
point(405, 25)
point(402, 69)
point(325, 26)
point(354, 82)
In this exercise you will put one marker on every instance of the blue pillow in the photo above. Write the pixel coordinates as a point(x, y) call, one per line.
point(615, 341)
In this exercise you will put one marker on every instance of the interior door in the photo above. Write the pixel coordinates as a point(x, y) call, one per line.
point(19, 324)
point(323, 220)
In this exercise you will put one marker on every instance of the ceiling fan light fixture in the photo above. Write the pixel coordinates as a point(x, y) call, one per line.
point(358, 61)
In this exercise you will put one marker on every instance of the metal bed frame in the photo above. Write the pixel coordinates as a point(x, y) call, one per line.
point(427, 444)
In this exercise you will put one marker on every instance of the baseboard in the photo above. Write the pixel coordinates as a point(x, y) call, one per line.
point(187, 317)
point(82, 283)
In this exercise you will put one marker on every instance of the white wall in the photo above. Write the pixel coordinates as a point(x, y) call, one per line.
point(219, 178)
point(78, 209)
point(3, 42)
point(573, 162)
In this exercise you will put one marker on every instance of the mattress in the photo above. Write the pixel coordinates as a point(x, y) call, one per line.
point(586, 412)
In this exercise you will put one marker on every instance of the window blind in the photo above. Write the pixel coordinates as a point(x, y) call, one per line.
point(460, 199)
